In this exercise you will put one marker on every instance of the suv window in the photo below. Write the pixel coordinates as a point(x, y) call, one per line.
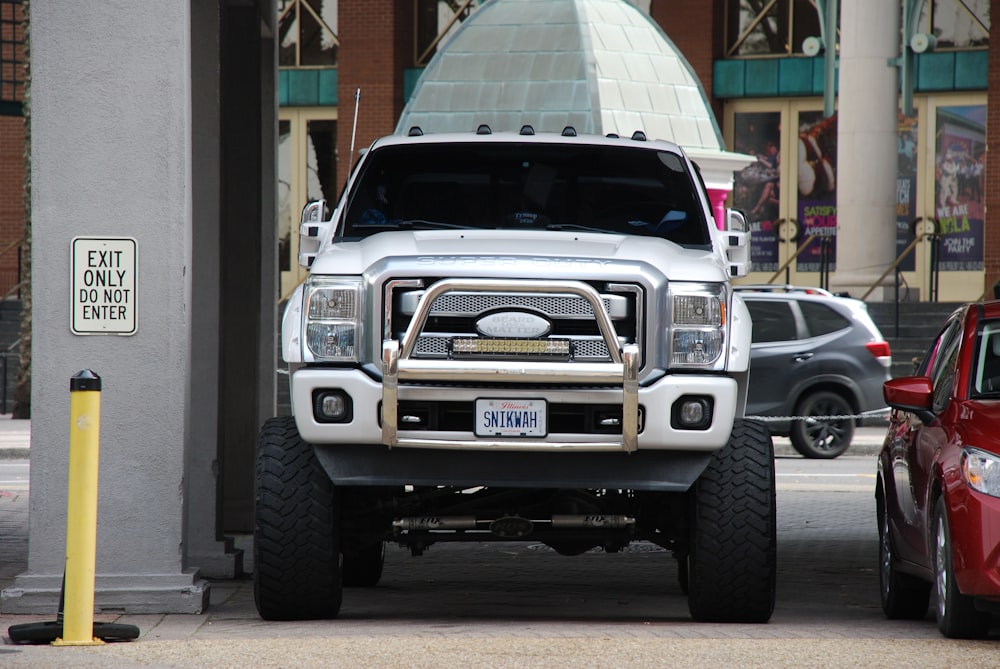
point(772, 321)
point(528, 186)
point(821, 319)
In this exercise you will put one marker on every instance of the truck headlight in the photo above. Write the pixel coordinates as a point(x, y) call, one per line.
point(981, 470)
point(333, 318)
point(697, 324)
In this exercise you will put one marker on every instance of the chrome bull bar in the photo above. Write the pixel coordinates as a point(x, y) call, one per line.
point(399, 365)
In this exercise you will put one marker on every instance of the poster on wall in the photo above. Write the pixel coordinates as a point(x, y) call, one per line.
point(959, 170)
point(816, 210)
point(906, 188)
point(756, 188)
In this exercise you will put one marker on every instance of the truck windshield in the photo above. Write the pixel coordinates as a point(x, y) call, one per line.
point(616, 190)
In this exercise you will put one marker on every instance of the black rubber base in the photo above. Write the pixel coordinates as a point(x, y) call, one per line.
point(49, 632)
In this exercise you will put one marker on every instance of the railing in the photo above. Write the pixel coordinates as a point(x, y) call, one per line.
point(932, 233)
point(12, 350)
point(785, 265)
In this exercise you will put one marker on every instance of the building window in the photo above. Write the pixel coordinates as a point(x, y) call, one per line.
point(308, 33)
point(778, 27)
point(770, 27)
point(957, 24)
point(11, 54)
point(436, 21)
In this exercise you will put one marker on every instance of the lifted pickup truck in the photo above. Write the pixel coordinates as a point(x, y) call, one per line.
point(517, 337)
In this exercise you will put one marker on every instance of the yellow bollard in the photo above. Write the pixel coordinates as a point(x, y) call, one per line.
point(81, 516)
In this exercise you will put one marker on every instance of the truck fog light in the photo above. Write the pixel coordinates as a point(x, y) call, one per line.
point(332, 406)
point(691, 413)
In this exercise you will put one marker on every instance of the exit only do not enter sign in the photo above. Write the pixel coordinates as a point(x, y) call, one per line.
point(103, 285)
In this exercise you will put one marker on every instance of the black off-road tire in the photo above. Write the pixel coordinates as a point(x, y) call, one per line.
point(822, 438)
point(904, 597)
point(733, 546)
point(296, 529)
point(957, 616)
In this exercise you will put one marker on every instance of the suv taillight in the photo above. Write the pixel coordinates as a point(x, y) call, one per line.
point(881, 351)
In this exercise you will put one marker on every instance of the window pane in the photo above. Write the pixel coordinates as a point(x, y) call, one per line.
point(285, 196)
point(772, 321)
point(319, 45)
point(756, 188)
point(321, 180)
point(805, 23)
point(820, 319)
point(960, 23)
point(768, 31)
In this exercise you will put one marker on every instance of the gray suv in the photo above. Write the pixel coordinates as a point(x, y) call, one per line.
point(818, 362)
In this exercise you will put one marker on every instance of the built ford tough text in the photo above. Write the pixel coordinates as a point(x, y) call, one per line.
point(517, 337)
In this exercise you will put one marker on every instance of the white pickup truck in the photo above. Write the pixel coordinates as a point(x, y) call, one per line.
point(517, 337)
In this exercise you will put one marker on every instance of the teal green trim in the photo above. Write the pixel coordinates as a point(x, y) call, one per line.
point(11, 108)
point(303, 88)
point(327, 88)
point(971, 68)
point(795, 76)
point(410, 78)
point(282, 88)
point(728, 79)
point(307, 88)
point(936, 71)
point(818, 75)
point(762, 77)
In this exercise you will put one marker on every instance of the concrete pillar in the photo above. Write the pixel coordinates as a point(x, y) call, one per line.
point(866, 143)
point(112, 156)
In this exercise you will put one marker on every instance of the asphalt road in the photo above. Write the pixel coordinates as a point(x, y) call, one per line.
point(522, 605)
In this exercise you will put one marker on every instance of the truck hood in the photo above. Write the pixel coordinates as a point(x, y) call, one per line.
point(529, 253)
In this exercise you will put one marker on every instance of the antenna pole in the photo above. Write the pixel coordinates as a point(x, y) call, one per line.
point(354, 130)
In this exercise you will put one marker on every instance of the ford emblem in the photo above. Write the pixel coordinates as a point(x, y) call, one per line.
point(516, 324)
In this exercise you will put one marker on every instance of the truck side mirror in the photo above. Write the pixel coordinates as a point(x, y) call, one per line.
point(736, 239)
point(315, 226)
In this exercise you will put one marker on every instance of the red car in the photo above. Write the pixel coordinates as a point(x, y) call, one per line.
point(938, 489)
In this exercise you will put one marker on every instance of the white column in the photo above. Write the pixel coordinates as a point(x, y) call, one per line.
point(866, 143)
point(111, 108)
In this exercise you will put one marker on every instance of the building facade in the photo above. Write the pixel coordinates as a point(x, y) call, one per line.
point(766, 73)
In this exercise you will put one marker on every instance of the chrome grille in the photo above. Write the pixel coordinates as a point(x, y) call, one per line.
point(454, 315)
point(473, 304)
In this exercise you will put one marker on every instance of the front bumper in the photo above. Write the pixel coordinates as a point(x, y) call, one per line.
point(974, 520)
point(654, 401)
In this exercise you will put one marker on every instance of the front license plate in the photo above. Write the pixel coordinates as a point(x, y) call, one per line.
point(510, 418)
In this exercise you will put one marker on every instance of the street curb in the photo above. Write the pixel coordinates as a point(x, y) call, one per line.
point(865, 449)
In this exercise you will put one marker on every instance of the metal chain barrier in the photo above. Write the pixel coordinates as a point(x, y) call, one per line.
point(866, 414)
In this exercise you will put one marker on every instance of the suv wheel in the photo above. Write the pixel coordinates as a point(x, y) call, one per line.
point(822, 434)
point(903, 596)
point(957, 617)
point(296, 529)
point(733, 546)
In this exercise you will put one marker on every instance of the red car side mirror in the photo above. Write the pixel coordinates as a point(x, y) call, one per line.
point(909, 393)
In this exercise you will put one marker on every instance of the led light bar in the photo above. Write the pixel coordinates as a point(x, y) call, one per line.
point(487, 346)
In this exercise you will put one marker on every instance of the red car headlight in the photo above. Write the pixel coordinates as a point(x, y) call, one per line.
point(981, 470)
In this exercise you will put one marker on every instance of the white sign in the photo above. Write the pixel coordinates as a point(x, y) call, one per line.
point(103, 285)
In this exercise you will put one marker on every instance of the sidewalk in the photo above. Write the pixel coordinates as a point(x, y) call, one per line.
point(15, 438)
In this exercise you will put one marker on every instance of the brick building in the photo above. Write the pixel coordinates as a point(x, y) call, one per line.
point(12, 142)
